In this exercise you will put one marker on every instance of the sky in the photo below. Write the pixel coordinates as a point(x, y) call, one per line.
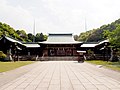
point(58, 16)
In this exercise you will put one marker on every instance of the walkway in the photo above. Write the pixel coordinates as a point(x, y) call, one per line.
point(63, 75)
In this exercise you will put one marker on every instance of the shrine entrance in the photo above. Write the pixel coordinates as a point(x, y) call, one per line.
point(58, 45)
point(60, 51)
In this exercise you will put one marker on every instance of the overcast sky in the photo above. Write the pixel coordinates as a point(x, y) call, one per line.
point(58, 16)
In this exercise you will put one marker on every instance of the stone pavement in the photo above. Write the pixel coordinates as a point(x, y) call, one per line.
point(8, 76)
point(63, 75)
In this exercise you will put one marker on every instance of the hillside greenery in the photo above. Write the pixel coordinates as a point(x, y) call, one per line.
point(20, 35)
point(96, 35)
point(113, 36)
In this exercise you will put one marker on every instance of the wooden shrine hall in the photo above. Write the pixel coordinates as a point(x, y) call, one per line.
point(57, 45)
point(60, 45)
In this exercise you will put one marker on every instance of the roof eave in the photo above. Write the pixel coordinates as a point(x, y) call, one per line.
point(60, 42)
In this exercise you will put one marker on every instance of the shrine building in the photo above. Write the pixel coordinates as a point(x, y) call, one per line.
point(60, 45)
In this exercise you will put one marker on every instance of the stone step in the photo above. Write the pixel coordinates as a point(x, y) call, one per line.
point(74, 58)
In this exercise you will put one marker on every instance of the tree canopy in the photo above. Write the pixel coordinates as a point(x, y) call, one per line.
point(39, 37)
point(96, 35)
point(113, 36)
point(20, 35)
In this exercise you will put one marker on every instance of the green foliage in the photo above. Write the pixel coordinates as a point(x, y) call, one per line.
point(8, 31)
point(90, 52)
point(113, 36)
point(31, 37)
point(45, 37)
point(39, 37)
point(2, 55)
point(91, 55)
point(84, 36)
point(20, 34)
point(98, 34)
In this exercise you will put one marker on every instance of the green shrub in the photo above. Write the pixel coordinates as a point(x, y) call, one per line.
point(2, 55)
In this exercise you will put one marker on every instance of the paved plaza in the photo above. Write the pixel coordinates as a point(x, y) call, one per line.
point(61, 75)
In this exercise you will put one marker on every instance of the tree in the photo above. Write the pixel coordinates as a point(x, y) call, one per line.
point(30, 36)
point(114, 38)
point(96, 35)
point(39, 37)
point(45, 37)
point(22, 34)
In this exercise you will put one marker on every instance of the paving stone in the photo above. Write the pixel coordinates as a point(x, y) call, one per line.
point(89, 86)
point(43, 84)
point(31, 87)
point(75, 81)
point(63, 75)
point(41, 88)
point(78, 87)
point(55, 81)
point(54, 87)
point(102, 87)
point(67, 88)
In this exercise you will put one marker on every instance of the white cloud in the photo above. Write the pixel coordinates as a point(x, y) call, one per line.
point(17, 17)
point(59, 15)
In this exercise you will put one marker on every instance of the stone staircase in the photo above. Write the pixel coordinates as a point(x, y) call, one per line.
point(66, 58)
